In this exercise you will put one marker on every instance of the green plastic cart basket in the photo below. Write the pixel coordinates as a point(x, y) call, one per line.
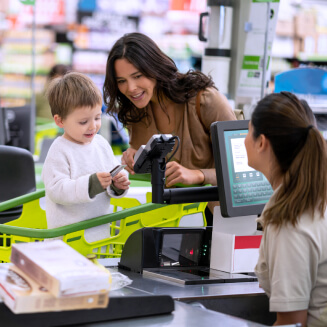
point(128, 215)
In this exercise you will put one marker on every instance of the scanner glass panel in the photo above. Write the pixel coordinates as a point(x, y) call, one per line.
point(181, 249)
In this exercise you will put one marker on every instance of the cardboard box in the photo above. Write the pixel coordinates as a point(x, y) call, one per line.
point(235, 245)
point(59, 268)
point(285, 28)
point(305, 24)
point(22, 294)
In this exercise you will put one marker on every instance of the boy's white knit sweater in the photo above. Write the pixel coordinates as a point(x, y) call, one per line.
point(66, 173)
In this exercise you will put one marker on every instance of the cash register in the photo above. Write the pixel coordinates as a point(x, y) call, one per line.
point(182, 255)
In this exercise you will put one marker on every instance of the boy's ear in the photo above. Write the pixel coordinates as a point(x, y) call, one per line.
point(58, 121)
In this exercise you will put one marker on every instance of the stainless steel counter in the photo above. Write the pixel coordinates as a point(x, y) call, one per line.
point(158, 286)
point(244, 300)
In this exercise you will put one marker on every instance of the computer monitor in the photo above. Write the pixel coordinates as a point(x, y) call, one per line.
point(242, 190)
point(18, 121)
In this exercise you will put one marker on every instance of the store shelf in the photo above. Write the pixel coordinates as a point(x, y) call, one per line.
point(16, 64)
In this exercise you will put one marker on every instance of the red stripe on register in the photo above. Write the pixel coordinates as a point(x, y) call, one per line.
point(247, 242)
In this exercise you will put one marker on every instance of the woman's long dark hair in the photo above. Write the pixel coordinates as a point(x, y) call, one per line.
point(301, 152)
point(146, 56)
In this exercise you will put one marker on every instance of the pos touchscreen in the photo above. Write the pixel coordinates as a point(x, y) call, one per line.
point(242, 190)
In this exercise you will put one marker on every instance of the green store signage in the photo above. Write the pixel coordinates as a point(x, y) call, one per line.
point(27, 2)
point(251, 62)
point(265, 0)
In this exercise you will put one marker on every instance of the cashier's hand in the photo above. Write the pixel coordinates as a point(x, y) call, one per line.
point(121, 181)
point(128, 159)
point(176, 173)
point(104, 179)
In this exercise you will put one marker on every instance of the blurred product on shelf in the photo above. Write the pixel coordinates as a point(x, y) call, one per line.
point(301, 33)
point(16, 64)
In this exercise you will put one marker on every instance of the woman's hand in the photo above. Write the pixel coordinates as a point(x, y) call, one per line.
point(128, 159)
point(121, 181)
point(176, 173)
point(104, 179)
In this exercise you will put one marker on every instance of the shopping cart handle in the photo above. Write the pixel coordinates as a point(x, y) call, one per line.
point(60, 231)
point(22, 199)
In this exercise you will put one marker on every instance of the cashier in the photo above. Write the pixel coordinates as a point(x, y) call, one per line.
point(286, 146)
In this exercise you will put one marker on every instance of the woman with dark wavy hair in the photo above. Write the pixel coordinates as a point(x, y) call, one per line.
point(144, 89)
point(285, 145)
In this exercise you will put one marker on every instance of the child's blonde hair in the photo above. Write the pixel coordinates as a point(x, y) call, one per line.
point(71, 91)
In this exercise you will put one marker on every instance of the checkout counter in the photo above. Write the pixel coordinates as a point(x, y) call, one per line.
point(245, 300)
point(183, 315)
point(145, 303)
point(153, 301)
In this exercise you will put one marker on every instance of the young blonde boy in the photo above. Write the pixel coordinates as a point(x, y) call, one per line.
point(76, 172)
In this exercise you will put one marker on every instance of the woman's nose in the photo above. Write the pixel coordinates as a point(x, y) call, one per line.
point(131, 86)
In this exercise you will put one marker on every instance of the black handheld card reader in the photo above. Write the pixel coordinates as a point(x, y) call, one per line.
point(157, 148)
point(150, 158)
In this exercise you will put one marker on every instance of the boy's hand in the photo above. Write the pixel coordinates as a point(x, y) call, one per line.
point(104, 179)
point(121, 181)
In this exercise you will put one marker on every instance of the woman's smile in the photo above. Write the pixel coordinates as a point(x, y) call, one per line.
point(138, 96)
